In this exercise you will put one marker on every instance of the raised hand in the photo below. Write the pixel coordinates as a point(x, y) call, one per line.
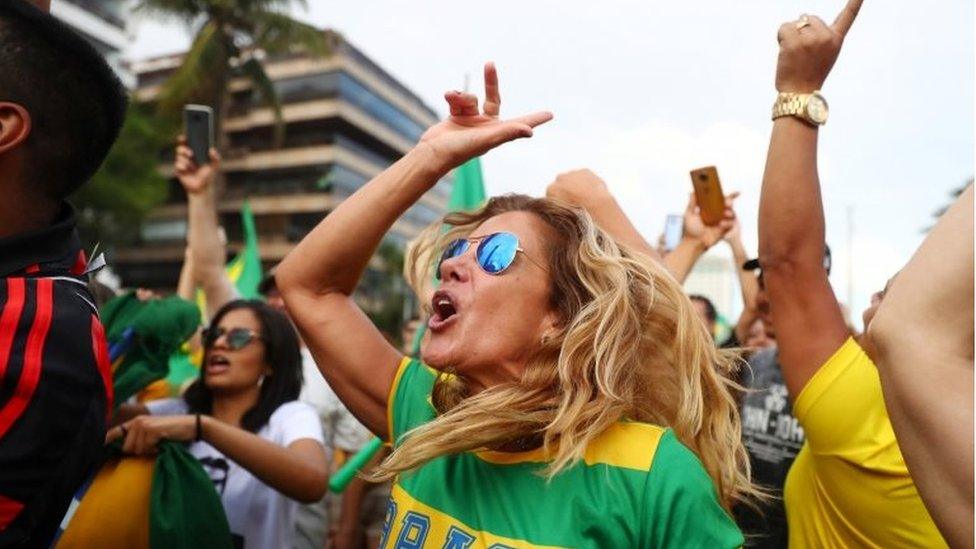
point(695, 228)
point(194, 178)
point(809, 47)
point(470, 131)
point(735, 233)
point(577, 188)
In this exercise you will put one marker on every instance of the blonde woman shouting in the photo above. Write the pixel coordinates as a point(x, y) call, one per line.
point(568, 396)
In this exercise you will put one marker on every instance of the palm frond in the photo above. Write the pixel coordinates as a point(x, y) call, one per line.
point(253, 69)
point(279, 33)
point(252, 6)
point(185, 11)
point(198, 77)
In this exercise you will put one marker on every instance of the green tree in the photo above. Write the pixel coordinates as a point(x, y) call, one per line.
point(230, 39)
point(387, 292)
point(112, 205)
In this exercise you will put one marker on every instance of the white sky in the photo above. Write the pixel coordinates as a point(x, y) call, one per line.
point(644, 91)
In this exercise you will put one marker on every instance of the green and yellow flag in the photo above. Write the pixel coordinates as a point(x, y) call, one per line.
point(245, 269)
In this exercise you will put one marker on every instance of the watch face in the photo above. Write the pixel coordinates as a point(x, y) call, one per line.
point(817, 108)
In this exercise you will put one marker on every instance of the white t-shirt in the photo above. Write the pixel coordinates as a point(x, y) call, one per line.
point(340, 429)
point(259, 514)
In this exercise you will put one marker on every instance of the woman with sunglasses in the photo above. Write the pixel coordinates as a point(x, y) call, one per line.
point(262, 448)
point(568, 395)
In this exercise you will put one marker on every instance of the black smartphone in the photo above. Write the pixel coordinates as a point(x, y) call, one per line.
point(198, 125)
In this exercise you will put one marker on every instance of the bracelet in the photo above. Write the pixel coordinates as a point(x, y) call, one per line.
point(199, 429)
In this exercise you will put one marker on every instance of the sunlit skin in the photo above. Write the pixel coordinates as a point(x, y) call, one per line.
point(244, 367)
point(500, 319)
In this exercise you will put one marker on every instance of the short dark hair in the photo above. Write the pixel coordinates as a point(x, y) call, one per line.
point(710, 311)
point(76, 103)
point(281, 352)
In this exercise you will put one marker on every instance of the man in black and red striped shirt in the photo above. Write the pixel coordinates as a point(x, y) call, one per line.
point(61, 107)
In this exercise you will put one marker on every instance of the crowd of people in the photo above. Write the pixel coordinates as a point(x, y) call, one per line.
point(568, 391)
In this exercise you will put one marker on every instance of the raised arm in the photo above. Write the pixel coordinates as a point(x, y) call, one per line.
point(207, 252)
point(809, 323)
point(697, 237)
point(318, 277)
point(587, 190)
point(186, 286)
point(922, 340)
point(748, 283)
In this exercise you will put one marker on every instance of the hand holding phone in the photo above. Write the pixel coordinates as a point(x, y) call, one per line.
point(199, 131)
point(708, 195)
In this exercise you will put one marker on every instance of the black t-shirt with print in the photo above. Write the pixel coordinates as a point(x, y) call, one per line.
point(772, 437)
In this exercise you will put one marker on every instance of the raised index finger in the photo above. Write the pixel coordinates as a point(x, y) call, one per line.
point(846, 16)
point(493, 99)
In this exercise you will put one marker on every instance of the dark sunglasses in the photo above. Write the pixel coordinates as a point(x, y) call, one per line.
point(237, 338)
point(495, 253)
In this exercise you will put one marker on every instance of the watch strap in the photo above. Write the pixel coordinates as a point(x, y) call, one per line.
point(791, 104)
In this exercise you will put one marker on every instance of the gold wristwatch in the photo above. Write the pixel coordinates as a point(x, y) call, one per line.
point(809, 107)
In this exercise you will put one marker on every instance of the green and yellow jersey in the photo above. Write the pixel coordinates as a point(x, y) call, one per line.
point(637, 486)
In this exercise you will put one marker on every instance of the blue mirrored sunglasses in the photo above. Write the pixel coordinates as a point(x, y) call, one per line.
point(495, 253)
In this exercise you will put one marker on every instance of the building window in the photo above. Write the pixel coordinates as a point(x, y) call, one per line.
point(164, 230)
point(299, 224)
point(306, 88)
point(354, 92)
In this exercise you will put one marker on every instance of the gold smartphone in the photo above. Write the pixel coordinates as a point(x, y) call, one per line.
point(708, 193)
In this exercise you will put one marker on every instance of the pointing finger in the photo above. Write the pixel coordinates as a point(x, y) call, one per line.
point(493, 99)
point(846, 16)
point(534, 119)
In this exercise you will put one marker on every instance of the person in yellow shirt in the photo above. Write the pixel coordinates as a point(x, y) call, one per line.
point(849, 485)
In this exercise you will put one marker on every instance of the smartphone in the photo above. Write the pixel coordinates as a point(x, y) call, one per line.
point(708, 193)
point(673, 228)
point(198, 125)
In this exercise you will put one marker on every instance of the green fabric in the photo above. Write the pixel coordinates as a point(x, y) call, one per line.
point(182, 371)
point(160, 326)
point(674, 504)
point(468, 192)
point(245, 269)
point(184, 509)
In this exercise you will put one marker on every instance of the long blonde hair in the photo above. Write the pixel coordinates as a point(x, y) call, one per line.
point(629, 345)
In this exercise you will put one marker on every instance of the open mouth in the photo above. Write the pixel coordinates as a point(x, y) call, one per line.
point(217, 364)
point(443, 311)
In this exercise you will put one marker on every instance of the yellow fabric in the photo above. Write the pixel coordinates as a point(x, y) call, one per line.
point(402, 367)
point(441, 523)
point(849, 486)
point(156, 390)
point(624, 444)
point(115, 510)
